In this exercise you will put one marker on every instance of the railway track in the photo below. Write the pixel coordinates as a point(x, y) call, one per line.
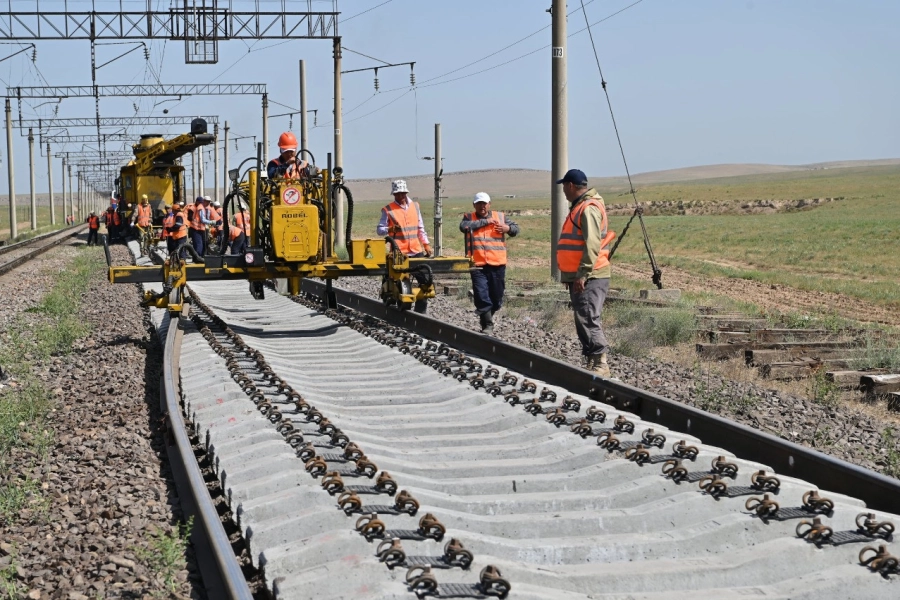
point(364, 461)
point(19, 253)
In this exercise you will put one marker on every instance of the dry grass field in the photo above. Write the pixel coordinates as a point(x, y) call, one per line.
point(840, 258)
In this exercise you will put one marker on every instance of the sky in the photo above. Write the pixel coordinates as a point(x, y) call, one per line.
point(691, 82)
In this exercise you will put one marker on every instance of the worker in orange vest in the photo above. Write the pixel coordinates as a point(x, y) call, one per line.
point(143, 214)
point(242, 220)
point(287, 164)
point(113, 222)
point(197, 222)
point(485, 232)
point(215, 216)
point(93, 222)
point(582, 254)
point(402, 221)
point(239, 243)
point(176, 230)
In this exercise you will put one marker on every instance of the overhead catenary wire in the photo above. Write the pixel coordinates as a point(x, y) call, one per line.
point(638, 212)
point(427, 83)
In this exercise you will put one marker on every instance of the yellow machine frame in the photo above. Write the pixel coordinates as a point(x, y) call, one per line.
point(292, 238)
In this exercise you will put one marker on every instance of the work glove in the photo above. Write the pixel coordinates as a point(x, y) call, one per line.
point(428, 251)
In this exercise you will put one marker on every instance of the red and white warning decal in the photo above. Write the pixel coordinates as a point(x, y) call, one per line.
point(290, 196)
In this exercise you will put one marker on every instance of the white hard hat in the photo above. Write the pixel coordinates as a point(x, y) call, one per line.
point(207, 198)
point(399, 187)
point(481, 197)
point(217, 204)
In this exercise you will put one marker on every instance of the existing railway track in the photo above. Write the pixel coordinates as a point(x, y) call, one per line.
point(15, 255)
point(543, 494)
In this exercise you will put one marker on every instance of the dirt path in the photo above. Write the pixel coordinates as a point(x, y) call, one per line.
point(770, 296)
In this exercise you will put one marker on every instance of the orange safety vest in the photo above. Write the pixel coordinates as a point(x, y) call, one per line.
point(292, 172)
point(233, 232)
point(112, 217)
point(196, 223)
point(242, 220)
point(168, 221)
point(182, 231)
point(403, 226)
point(570, 247)
point(93, 222)
point(215, 216)
point(144, 213)
point(484, 245)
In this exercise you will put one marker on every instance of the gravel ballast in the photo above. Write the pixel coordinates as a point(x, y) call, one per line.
point(107, 506)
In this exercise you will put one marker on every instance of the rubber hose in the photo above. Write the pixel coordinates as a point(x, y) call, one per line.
point(193, 252)
point(349, 227)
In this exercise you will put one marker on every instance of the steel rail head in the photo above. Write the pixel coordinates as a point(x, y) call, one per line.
point(224, 573)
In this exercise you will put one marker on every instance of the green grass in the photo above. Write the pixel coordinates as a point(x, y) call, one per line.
point(10, 589)
point(26, 402)
point(164, 554)
point(638, 329)
point(847, 247)
point(22, 500)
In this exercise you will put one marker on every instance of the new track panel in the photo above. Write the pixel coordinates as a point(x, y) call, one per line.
point(555, 513)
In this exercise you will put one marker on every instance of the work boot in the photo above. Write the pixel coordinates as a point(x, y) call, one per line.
point(599, 365)
point(487, 322)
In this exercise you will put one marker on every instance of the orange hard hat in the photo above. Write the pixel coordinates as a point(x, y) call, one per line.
point(287, 141)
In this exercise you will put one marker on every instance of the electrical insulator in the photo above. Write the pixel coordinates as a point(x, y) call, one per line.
point(315, 118)
point(34, 54)
point(291, 122)
point(412, 79)
point(236, 146)
point(134, 104)
point(146, 53)
point(376, 84)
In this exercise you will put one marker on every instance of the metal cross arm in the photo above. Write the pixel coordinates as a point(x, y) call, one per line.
point(88, 91)
point(44, 124)
point(85, 139)
point(194, 22)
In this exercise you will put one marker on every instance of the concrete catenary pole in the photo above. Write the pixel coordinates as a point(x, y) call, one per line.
point(304, 128)
point(65, 213)
point(76, 212)
point(50, 182)
point(225, 164)
point(216, 161)
point(338, 145)
point(193, 176)
point(560, 130)
point(71, 190)
point(31, 173)
point(201, 184)
point(438, 240)
point(13, 225)
point(265, 131)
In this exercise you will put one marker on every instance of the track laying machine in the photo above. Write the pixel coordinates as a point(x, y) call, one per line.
point(154, 171)
point(292, 237)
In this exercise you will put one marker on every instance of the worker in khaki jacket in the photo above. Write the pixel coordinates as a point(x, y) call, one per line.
point(485, 232)
point(582, 254)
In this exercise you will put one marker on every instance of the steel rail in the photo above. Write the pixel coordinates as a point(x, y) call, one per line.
point(8, 266)
point(877, 491)
point(222, 575)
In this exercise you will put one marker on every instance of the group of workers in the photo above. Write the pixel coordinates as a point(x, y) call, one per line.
point(202, 218)
point(582, 256)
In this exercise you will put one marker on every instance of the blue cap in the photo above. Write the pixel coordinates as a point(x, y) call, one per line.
point(574, 176)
